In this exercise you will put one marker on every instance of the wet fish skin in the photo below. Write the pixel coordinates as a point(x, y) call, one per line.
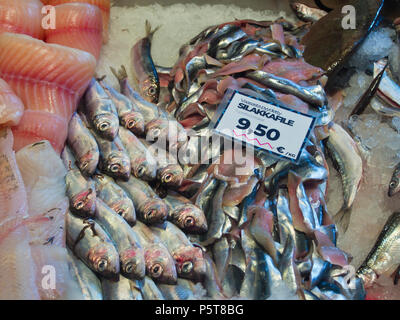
point(185, 215)
point(149, 207)
point(124, 289)
point(115, 197)
point(394, 185)
point(160, 265)
point(81, 193)
point(131, 254)
point(189, 259)
point(83, 145)
point(150, 290)
point(144, 165)
point(129, 115)
point(385, 255)
point(306, 13)
point(176, 292)
point(90, 243)
point(114, 160)
point(100, 111)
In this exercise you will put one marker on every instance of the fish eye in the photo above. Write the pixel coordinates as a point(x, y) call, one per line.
point(104, 126)
point(393, 184)
point(102, 265)
point(150, 214)
point(156, 133)
point(187, 267)
point(168, 178)
point(120, 212)
point(141, 170)
point(151, 91)
point(189, 222)
point(131, 123)
point(79, 205)
point(129, 268)
point(114, 168)
point(156, 270)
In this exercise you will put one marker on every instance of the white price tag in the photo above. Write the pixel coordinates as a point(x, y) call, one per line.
point(266, 125)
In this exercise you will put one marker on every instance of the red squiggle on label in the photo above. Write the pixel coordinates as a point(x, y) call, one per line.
point(255, 139)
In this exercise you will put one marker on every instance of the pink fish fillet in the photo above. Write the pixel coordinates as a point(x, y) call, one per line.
point(11, 107)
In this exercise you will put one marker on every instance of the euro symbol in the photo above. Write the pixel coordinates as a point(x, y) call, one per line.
point(281, 149)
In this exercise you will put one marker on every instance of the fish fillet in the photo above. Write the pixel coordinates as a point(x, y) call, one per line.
point(50, 79)
point(79, 25)
point(21, 16)
point(104, 6)
point(16, 280)
point(11, 106)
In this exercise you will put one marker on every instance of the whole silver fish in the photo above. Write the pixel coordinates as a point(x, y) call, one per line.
point(114, 160)
point(149, 207)
point(306, 13)
point(100, 111)
point(394, 185)
point(143, 163)
point(160, 266)
point(83, 146)
point(189, 259)
point(81, 193)
point(124, 289)
point(344, 153)
point(184, 214)
point(131, 254)
point(115, 197)
point(90, 243)
point(86, 280)
point(384, 257)
point(129, 115)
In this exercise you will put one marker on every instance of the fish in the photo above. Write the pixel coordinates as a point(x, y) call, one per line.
point(169, 171)
point(131, 254)
point(87, 281)
point(83, 145)
point(129, 115)
point(384, 257)
point(184, 214)
point(212, 282)
point(114, 160)
point(90, 243)
point(188, 259)
point(100, 111)
point(14, 236)
point(124, 289)
point(115, 197)
point(78, 25)
point(149, 207)
point(81, 193)
point(143, 66)
point(160, 266)
point(343, 151)
point(150, 290)
point(144, 165)
point(306, 13)
point(103, 5)
point(179, 291)
point(394, 185)
point(21, 16)
point(11, 106)
point(49, 79)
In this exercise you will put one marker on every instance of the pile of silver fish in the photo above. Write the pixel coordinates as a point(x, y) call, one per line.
point(156, 213)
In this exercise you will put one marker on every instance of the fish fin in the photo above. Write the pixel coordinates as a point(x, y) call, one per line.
point(342, 218)
point(149, 32)
point(121, 74)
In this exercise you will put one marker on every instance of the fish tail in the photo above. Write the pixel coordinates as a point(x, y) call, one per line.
point(149, 32)
point(121, 74)
point(342, 218)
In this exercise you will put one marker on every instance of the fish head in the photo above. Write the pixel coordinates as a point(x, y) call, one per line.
point(394, 185)
point(154, 211)
point(190, 263)
point(190, 219)
point(145, 169)
point(132, 263)
point(84, 203)
point(107, 126)
point(134, 122)
point(367, 275)
point(160, 266)
point(88, 163)
point(124, 207)
point(149, 90)
point(118, 166)
point(166, 130)
point(172, 175)
point(104, 260)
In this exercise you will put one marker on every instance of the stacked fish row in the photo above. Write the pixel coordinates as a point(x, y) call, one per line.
point(102, 230)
